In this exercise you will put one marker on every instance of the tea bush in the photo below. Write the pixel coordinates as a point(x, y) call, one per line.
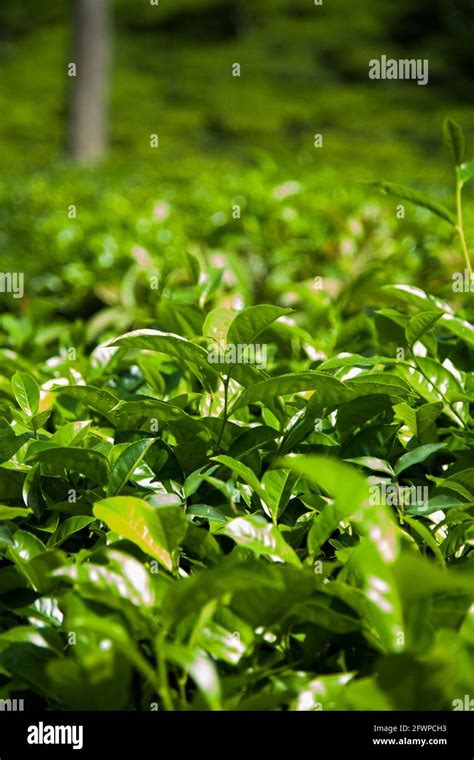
point(230, 482)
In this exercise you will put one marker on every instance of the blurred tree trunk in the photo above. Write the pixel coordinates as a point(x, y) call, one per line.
point(88, 127)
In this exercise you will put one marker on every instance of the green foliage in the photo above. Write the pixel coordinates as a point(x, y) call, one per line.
point(184, 532)
point(419, 199)
point(296, 536)
point(454, 139)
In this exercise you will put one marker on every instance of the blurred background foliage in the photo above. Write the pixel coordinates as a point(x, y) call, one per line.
point(226, 140)
point(304, 67)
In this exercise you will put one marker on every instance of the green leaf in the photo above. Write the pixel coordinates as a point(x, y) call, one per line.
point(325, 617)
point(71, 434)
point(421, 324)
point(110, 628)
point(252, 439)
point(251, 322)
point(430, 579)
point(39, 420)
point(199, 542)
point(416, 456)
point(466, 171)
point(70, 526)
point(27, 392)
point(31, 490)
point(261, 537)
point(11, 484)
point(207, 512)
point(10, 444)
point(88, 462)
point(122, 578)
point(427, 538)
point(222, 644)
point(324, 693)
point(126, 464)
point(454, 139)
point(277, 485)
point(11, 513)
point(415, 296)
point(373, 463)
point(270, 606)
point(464, 479)
point(432, 378)
point(456, 485)
point(130, 415)
point(355, 360)
point(229, 577)
point(460, 327)
point(374, 383)
point(417, 198)
point(351, 501)
point(349, 488)
point(367, 570)
point(76, 686)
point(443, 502)
point(171, 344)
point(426, 415)
point(201, 669)
point(330, 391)
point(6, 538)
point(245, 472)
point(25, 634)
point(99, 399)
point(33, 560)
point(156, 530)
point(27, 663)
point(217, 323)
point(420, 419)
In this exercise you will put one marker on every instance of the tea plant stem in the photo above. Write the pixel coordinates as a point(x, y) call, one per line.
point(163, 688)
point(460, 227)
